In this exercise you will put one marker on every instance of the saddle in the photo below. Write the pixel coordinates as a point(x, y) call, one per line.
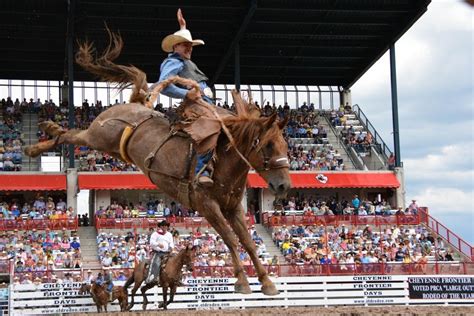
point(163, 263)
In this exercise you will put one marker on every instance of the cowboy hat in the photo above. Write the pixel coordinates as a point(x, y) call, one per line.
point(181, 36)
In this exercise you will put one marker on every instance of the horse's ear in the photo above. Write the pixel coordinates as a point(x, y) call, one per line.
point(282, 123)
point(270, 120)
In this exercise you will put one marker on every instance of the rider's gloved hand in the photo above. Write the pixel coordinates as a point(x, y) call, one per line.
point(193, 94)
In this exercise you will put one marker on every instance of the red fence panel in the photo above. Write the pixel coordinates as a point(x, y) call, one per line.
point(39, 224)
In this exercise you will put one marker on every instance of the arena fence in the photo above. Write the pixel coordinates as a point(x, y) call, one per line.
point(218, 293)
point(270, 220)
point(147, 222)
point(284, 270)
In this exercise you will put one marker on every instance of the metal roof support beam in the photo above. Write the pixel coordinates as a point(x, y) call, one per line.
point(237, 67)
point(70, 72)
point(235, 41)
point(393, 84)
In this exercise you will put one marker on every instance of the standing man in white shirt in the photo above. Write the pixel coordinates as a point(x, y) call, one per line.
point(161, 244)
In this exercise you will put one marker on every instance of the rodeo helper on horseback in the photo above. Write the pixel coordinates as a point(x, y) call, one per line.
point(179, 45)
point(106, 280)
point(161, 243)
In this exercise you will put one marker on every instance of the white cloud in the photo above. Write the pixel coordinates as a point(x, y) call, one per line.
point(450, 158)
point(446, 200)
point(453, 208)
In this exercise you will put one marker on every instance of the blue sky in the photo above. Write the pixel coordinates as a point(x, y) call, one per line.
point(435, 96)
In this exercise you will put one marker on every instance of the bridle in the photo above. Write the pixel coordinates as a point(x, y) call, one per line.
point(269, 163)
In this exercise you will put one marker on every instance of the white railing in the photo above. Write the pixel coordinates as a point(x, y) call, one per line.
point(216, 293)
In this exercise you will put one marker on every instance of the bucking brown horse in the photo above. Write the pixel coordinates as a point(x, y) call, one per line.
point(100, 296)
point(170, 276)
point(168, 158)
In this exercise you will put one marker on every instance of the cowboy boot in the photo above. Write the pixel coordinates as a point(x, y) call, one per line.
point(203, 162)
point(205, 179)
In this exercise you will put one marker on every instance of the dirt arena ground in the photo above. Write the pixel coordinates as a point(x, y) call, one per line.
point(316, 311)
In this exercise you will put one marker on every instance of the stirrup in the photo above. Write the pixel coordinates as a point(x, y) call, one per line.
point(205, 181)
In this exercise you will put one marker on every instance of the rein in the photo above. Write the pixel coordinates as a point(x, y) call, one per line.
point(268, 163)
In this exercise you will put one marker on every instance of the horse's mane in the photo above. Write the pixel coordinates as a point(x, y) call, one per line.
point(247, 124)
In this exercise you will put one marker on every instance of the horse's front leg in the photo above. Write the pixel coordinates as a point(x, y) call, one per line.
point(172, 293)
point(212, 212)
point(237, 221)
point(165, 297)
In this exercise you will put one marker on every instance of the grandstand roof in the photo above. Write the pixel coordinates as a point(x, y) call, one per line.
point(307, 42)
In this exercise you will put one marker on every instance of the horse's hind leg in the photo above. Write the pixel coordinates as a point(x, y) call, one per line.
point(74, 136)
point(136, 286)
point(39, 148)
point(237, 221)
point(145, 288)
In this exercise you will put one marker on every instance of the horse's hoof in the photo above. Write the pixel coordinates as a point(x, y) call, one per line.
point(242, 289)
point(51, 128)
point(28, 151)
point(270, 290)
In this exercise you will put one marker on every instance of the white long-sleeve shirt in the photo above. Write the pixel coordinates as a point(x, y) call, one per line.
point(165, 240)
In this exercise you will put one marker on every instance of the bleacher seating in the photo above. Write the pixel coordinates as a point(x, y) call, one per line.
point(11, 156)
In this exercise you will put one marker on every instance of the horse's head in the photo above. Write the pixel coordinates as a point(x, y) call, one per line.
point(260, 140)
point(84, 289)
point(188, 257)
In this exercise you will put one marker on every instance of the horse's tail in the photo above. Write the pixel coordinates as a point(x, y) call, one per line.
point(107, 70)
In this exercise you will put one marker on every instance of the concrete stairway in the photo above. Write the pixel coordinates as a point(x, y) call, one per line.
point(272, 248)
point(89, 249)
point(334, 140)
point(30, 128)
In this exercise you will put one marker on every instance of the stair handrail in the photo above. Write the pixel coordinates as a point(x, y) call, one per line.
point(461, 246)
point(382, 148)
point(343, 146)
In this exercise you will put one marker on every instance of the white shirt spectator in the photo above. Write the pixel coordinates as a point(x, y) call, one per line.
point(291, 205)
point(107, 261)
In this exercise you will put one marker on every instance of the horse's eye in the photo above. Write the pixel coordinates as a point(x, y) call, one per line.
point(256, 142)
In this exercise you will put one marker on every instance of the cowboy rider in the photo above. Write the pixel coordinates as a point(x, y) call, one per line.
point(161, 243)
point(178, 63)
point(106, 279)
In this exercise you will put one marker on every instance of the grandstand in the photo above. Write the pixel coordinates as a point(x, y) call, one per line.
point(345, 217)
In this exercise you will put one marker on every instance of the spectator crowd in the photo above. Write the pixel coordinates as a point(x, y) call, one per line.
point(11, 157)
point(309, 148)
